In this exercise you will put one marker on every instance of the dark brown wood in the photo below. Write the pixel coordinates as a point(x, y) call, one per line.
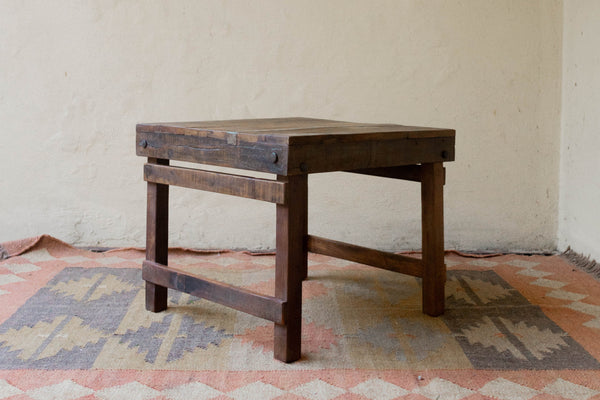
point(156, 297)
point(236, 185)
point(404, 172)
point(157, 237)
point(259, 305)
point(434, 269)
point(291, 148)
point(363, 255)
point(326, 157)
point(301, 145)
point(291, 265)
point(222, 127)
point(294, 131)
point(224, 152)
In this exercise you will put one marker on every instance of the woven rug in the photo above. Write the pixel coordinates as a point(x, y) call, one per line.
point(73, 326)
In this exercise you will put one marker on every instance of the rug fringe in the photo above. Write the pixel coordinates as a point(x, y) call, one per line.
point(582, 262)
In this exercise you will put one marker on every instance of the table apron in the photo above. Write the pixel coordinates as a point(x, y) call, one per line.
point(219, 182)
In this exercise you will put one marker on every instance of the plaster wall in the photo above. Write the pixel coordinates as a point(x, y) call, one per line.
point(579, 225)
point(78, 75)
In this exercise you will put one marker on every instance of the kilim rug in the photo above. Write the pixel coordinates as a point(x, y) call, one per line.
point(73, 326)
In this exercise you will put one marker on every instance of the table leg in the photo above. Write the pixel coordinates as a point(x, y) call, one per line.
point(290, 265)
point(432, 210)
point(157, 231)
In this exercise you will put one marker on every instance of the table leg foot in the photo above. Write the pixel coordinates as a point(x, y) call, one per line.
point(287, 342)
point(156, 297)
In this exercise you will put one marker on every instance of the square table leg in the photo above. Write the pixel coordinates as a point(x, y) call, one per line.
point(157, 234)
point(432, 210)
point(291, 265)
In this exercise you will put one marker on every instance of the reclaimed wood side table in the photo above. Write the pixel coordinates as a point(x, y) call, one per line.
point(290, 148)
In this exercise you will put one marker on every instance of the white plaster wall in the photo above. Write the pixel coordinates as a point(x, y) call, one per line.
point(579, 225)
point(77, 75)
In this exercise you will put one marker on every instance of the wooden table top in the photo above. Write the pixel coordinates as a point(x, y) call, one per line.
point(289, 146)
point(293, 131)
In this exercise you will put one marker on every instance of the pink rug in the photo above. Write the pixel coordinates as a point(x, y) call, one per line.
point(73, 326)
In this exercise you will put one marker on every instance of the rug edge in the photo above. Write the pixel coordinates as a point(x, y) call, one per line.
point(18, 247)
point(585, 263)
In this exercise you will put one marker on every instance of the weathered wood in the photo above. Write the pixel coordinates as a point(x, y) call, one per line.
point(219, 182)
point(326, 157)
point(434, 269)
point(156, 297)
point(157, 237)
point(294, 131)
point(236, 125)
point(363, 255)
point(224, 152)
point(291, 265)
point(404, 172)
point(290, 146)
point(259, 305)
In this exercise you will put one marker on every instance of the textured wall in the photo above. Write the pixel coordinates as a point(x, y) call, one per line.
point(580, 164)
point(77, 75)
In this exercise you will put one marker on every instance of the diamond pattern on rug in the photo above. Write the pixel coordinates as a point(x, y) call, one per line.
point(498, 388)
point(256, 391)
point(21, 268)
point(441, 388)
point(74, 330)
point(550, 283)
point(590, 309)
point(318, 390)
point(129, 391)
point(196, 390)
point(38, 255)
point(8, 390)
point(564, 295)
point(503, 314)
point(147, 340)
point(377, 389)
point(7, 279)
point(499, 329)
point(193, 335)
point(97, 319)
point(505, 390)
point(66, 390)
point(569, 390)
